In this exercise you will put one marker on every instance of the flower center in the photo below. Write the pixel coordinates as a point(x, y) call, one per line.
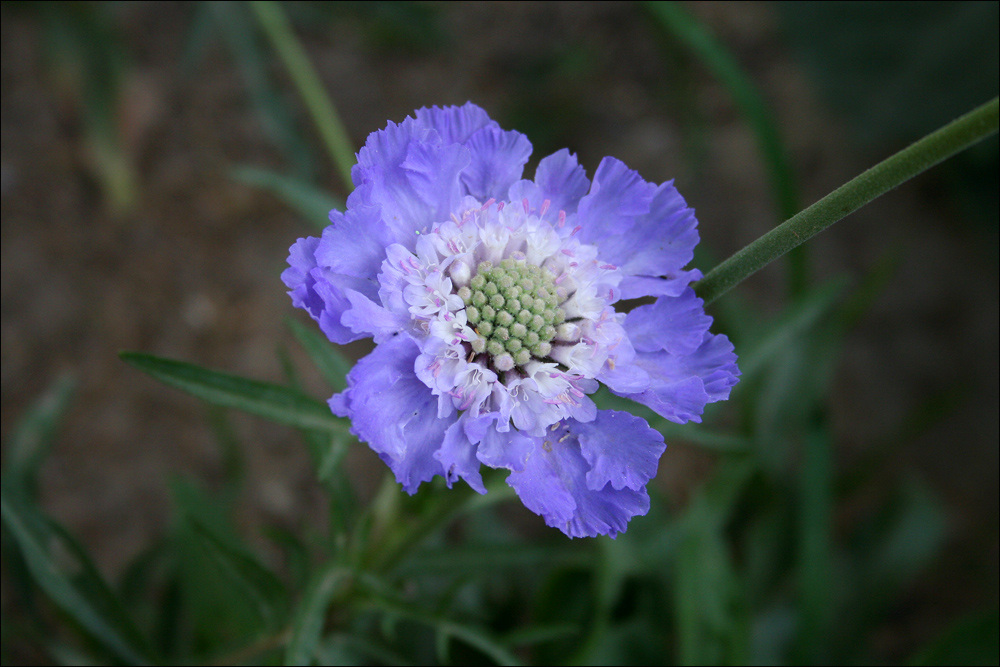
point(514, 309)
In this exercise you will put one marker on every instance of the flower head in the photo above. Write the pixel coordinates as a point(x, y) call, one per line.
point(492, 301)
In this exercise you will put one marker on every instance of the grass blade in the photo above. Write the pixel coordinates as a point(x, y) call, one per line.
point(265, 399)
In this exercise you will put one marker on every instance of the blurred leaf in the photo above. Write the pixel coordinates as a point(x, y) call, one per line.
point(801, 317)
point(31, 439)
point(873, 60)
point(487, 559)
point(712, 615)
point(312, 203)
point(347, 649)
point(62, 569)
point(910, 540)
point(275, 24)
point(310, 618)
point(250, 580)
point(815, 567)
point(328, 359)
point(474, 637)
point(239, 31)
point(264, 399)
point(972, 640)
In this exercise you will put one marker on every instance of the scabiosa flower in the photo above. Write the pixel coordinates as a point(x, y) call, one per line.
point(492, 303)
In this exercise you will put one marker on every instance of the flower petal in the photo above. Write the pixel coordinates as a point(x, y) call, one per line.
point(554, 485)
point(354, 243)
point(681, 385)
point(560, 180)
point(677, 325)
point(454, 124)
point(621, 449)
point(458, 458)
point(393, 412)
point(607, 215)
point(498, 158)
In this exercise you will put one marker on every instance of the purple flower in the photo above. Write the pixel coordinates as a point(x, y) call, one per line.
point(492, 303)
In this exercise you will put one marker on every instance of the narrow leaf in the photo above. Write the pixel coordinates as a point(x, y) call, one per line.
point(328, 359)
point(264, 399)
point(313, 204)
point(62, 569)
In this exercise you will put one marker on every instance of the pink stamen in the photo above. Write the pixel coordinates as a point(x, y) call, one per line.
point(545, 206)
point(575, 230)
point(608, 267)
point(561, 277)
point(562, 218)
point(527, 207)
point(489, 202)
point(567, 251)
point(500, 206)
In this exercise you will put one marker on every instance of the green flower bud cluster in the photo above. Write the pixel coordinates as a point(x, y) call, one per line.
point(514, 307)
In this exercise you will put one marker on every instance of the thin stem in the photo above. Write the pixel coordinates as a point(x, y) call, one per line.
point(954, 137)
point(279, 30)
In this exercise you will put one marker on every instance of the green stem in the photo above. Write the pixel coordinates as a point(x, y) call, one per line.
point(279, 30)
point(954, 137)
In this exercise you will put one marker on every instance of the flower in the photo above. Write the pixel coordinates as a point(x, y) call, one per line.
point(491, 300)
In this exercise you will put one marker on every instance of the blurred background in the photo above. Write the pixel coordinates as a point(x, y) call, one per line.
point(141, 211)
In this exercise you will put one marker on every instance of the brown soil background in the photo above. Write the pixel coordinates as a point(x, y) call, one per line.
point(191, 272)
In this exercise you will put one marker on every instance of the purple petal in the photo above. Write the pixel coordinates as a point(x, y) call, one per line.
point(454, 124)
point(621, 449)
point(618, 196)
point(354, 243)
point(394, 412)
point(677, 325)
point(365, 317)
point(559, 179)
point(458, 458)
point(509, 449)
point(433, 174)
point(662, 241)
point(673, 283)
point(681, 385)
point(498, 159)
point(554, 485)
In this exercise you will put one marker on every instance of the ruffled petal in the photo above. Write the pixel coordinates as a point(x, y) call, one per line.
point(393, 412)
point(621, 449)
point(618, 197)
point(354, 243)
point(560, 180)
point(498, 158)
point(662, 241)
point(509, 449)
point(677, 325)
point(682, 385)
point(432, 170)
point(554, 485)
point(454, 124)
point(458, 458)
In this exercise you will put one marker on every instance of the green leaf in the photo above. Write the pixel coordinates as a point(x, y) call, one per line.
point(29, 443)
point(972, 640)
point(252, 581)
point(61, 567)
point(328, 359)
point(802, 317)
point(242, 37)
point(313, 204)
point(307, 626)
point(264, 399)
point(474, 637)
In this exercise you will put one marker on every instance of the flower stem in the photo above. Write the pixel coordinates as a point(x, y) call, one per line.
point(279, 30)
point(954, 137)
